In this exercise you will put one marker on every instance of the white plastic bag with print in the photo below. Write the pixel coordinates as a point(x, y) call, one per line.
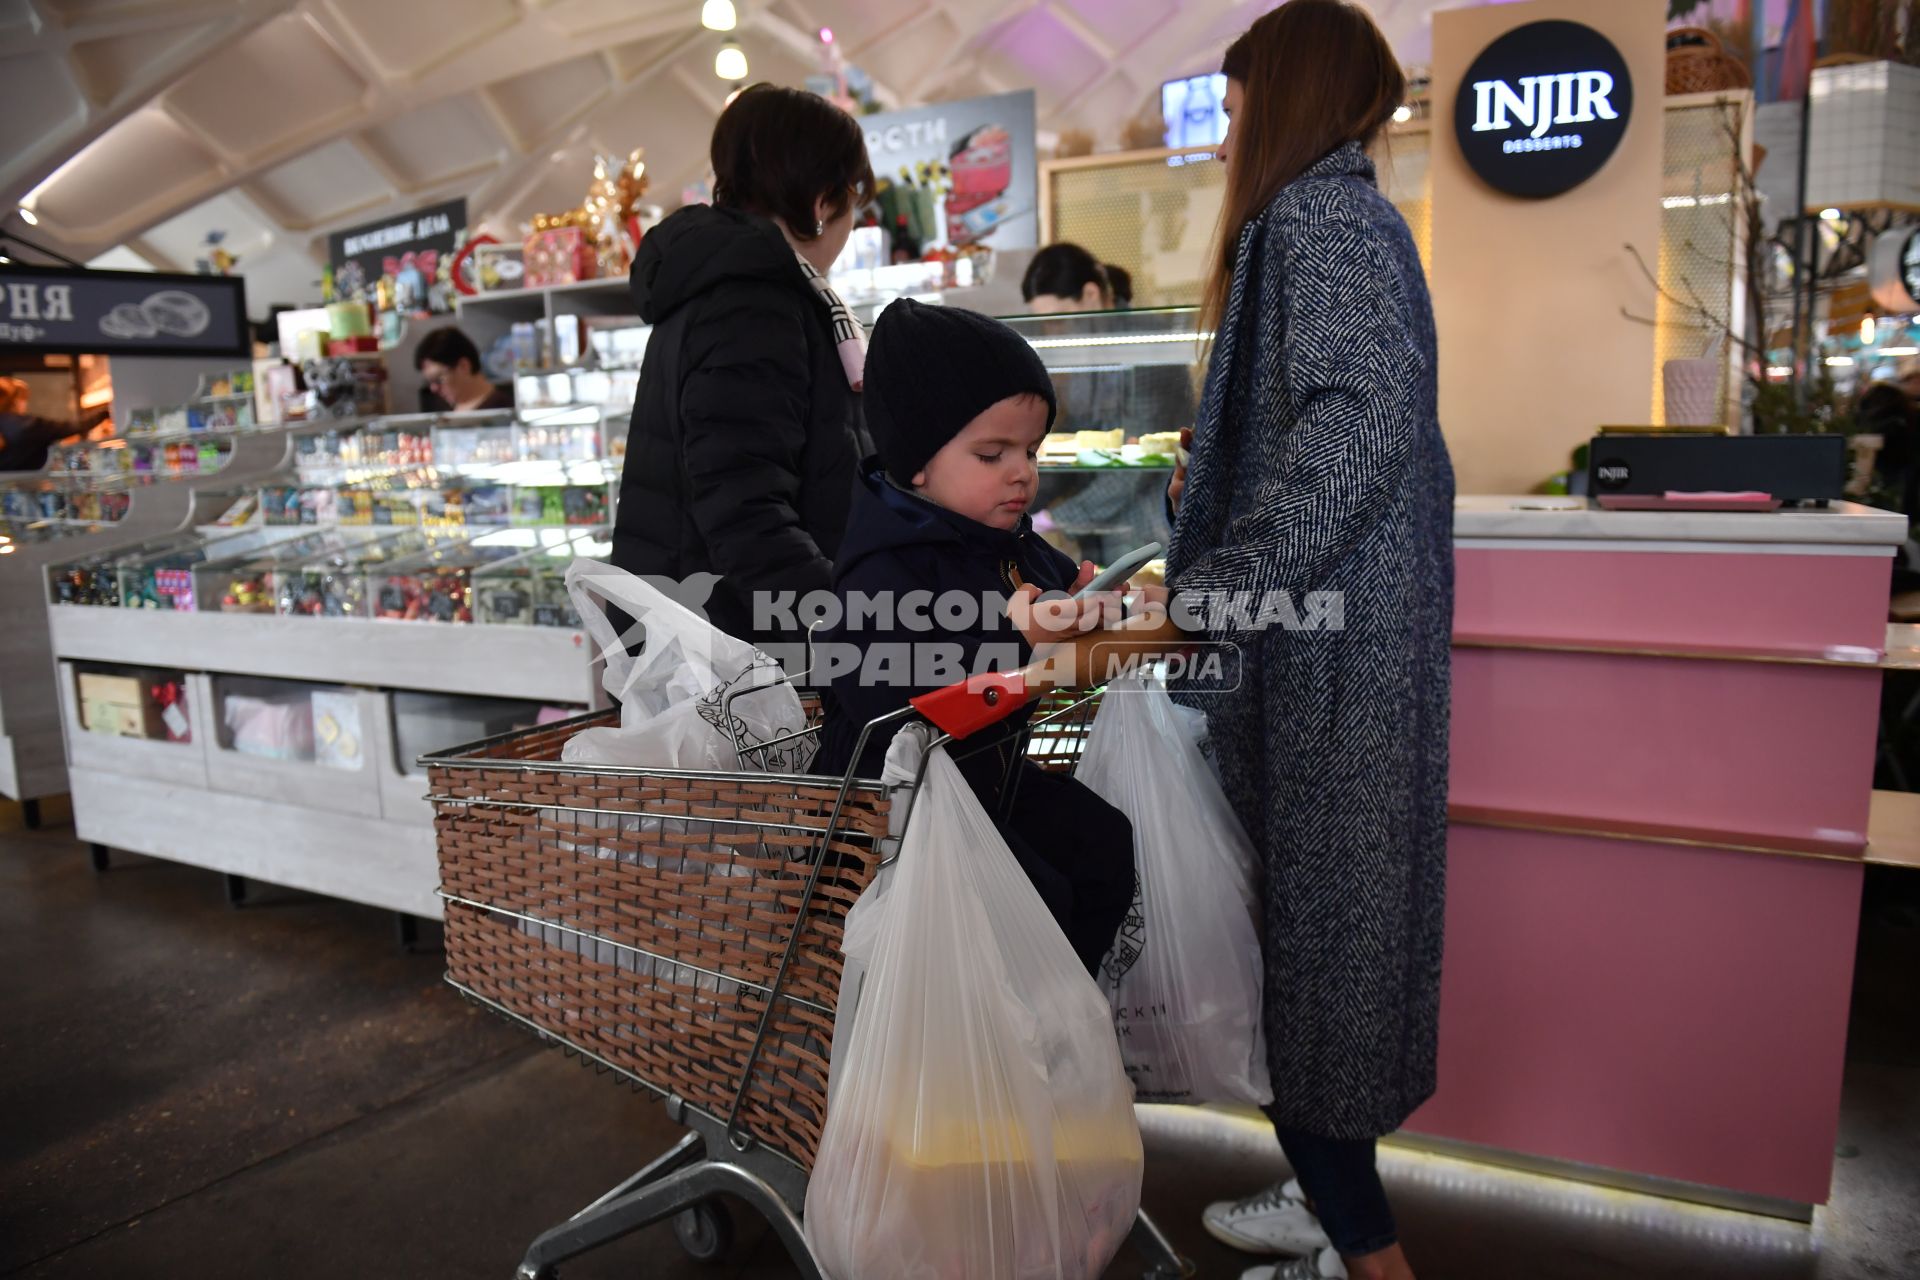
point(673, 709)
point(981, 1126)
point(1184, 975)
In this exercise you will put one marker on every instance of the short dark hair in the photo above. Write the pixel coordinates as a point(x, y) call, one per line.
point(447, 346)
point(775, 151)
point(1065, 270)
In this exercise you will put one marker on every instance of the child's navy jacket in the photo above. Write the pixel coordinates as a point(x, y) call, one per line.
point(899, 543)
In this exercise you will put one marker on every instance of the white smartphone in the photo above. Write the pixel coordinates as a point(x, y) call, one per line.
point(1120, 570)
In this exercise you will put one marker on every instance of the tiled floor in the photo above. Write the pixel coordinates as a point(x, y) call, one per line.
point(189, 1090)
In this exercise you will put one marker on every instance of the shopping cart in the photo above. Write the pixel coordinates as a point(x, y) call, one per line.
point(681, 930)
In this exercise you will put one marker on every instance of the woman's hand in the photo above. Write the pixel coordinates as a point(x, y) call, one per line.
point(1048, 620)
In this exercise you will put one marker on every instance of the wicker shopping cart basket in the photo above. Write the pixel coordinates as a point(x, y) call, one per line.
point(681, 929)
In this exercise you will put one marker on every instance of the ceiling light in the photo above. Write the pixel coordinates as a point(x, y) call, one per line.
point(718, 15)
point(1900, 351)
point(4, 258)
point(1402, 114)
point(1830, 215)
point(1867, 331)
point(1839, 362)
point(731, 62)
point(29, 217)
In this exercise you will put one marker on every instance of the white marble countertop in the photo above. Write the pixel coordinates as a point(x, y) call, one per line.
point(1511, 516)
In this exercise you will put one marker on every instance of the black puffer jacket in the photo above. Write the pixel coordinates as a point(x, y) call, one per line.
point(746, 438)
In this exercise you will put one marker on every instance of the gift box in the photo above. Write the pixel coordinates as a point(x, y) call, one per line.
point(129, 707)
point(558, 255)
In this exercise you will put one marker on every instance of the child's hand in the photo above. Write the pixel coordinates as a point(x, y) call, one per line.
point(1045, 621)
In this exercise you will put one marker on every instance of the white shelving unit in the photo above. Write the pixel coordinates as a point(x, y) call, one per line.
point(32, 760)
point(361, 833)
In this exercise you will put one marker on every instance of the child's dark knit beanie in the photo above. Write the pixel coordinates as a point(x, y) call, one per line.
point(932, 370)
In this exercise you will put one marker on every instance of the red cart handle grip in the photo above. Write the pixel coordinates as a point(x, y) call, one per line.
point(964, 709)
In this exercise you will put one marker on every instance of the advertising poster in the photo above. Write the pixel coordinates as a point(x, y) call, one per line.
point(410, 252)
point(957, 173)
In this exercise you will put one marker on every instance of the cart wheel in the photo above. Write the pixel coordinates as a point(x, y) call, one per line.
point(704, 1231)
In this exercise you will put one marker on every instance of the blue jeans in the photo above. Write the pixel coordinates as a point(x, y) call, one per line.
point(1339, 1177)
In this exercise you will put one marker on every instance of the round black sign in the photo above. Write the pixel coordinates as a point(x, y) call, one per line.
point(1543, 107)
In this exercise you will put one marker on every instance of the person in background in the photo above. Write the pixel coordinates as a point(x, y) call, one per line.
point(1065, 277)
point(1889, 412)
point(25, 438)
point(746, 436)
point(450, 364)
point(1318, 466)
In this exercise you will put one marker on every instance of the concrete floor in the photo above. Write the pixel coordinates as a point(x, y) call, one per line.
point(186, 1089)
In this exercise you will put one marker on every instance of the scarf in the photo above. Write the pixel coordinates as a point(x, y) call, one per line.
point(848, 336)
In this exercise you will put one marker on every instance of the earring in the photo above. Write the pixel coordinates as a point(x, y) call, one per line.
point(819, 228)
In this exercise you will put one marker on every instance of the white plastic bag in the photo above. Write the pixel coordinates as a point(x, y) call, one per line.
point(981, 1126)
point(1184, 976)
point(673, 710)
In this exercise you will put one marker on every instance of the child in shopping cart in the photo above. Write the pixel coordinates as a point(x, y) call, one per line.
point(940, 576)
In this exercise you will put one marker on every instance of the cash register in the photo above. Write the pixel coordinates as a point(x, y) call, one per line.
point(1629, 469)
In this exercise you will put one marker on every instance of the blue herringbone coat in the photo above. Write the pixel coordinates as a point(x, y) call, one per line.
point(1318, 466)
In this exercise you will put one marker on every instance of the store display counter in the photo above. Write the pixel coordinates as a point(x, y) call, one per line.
point(65, 515)
point(1662, 761)
point(252, 699)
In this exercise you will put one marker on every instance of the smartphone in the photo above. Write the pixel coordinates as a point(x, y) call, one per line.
point(1120, 570)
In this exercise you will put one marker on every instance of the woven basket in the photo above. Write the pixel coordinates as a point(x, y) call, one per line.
point(648, 900)
point(619, 912)
point(1697, 62)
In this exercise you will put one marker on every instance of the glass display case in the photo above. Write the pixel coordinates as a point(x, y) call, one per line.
point(332, 583)
point(436, 584)
point(1127, 384)
point(553, 467)
point(531, 588)
point(256, 580)
point(159, 575)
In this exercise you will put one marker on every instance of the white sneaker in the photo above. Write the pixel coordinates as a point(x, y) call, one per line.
point(1276, 1220)
point(1325, 1265)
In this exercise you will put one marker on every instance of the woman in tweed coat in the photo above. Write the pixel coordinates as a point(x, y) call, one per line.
point(1318, 466)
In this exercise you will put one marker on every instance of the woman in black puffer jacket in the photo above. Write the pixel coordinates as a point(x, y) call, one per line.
point(746, 436)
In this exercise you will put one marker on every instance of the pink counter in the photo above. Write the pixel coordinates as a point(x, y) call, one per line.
point(1663, 734)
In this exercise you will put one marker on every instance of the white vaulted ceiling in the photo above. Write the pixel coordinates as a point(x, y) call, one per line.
point(148, 123)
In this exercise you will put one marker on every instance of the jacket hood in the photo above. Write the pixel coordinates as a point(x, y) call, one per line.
point(700, 246)
point(886, 517)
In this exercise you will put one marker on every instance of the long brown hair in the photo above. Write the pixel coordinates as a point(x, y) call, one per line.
point(1314, 75)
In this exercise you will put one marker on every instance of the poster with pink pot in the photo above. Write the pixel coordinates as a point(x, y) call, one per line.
point(956, 174)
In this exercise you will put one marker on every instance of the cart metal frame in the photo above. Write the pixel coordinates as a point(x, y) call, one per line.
point(717, 1157)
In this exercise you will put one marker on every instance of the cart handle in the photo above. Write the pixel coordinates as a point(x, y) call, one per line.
point(963, 709)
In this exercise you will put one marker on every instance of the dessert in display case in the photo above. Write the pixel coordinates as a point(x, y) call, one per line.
point(1126, 386)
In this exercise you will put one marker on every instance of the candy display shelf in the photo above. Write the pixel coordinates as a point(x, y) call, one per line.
point(32, 759)
point(276, 679)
